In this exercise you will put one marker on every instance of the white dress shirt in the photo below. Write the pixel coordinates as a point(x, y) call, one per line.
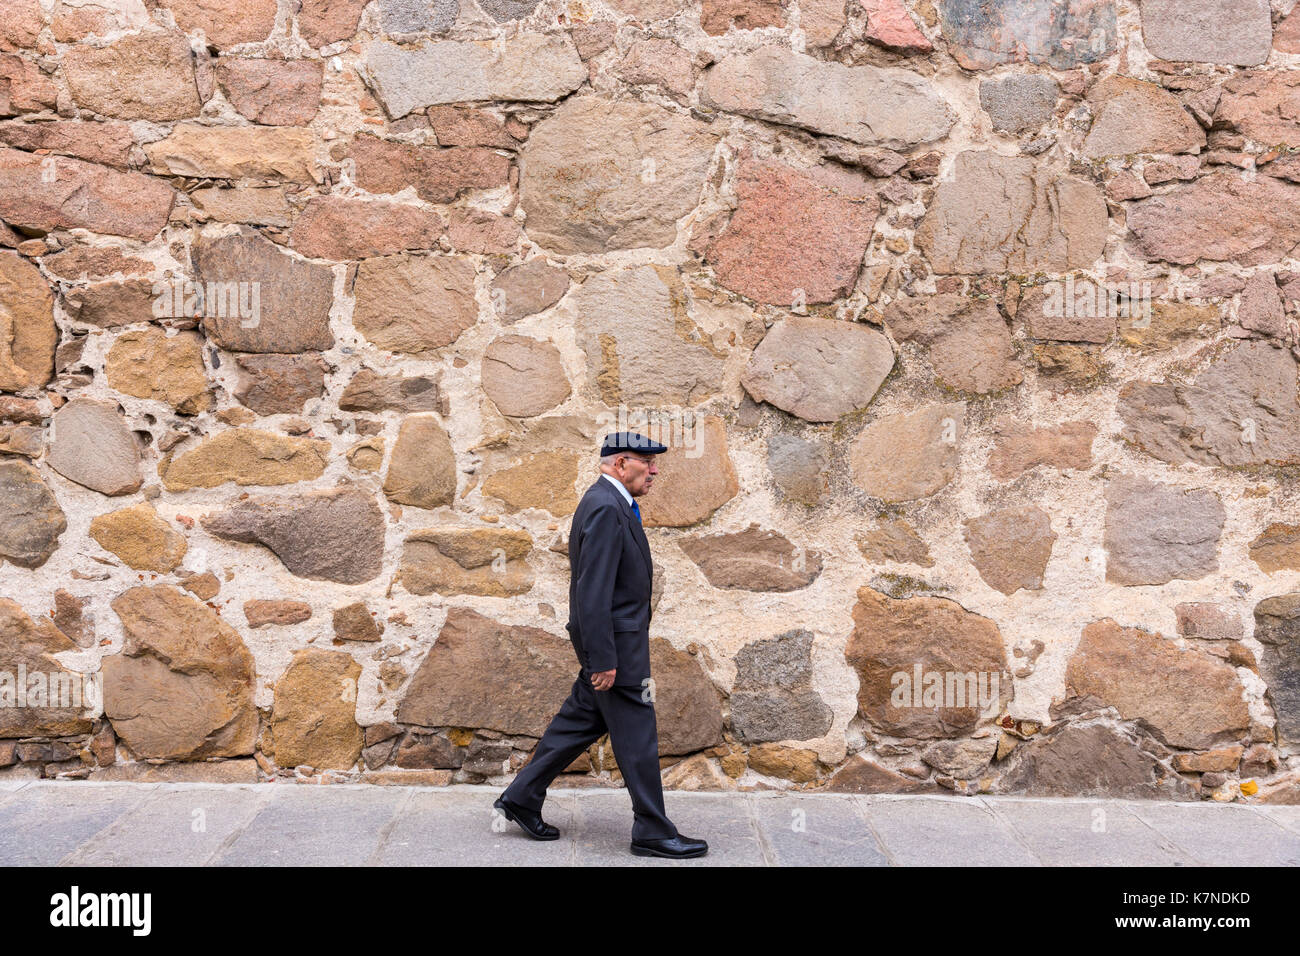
point(627, 495)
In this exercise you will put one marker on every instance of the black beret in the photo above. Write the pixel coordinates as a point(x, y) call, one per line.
point(630, 441)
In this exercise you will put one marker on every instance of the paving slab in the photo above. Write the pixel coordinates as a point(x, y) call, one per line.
point(938, 831)
point(301, 825)
point(45, 821)
point(1223, 835)
point(462, 829)
point(819, 830)
point(174, 826)
point(1288, 817)
point(79, 823)
point(1064, 833)
point(604, 829)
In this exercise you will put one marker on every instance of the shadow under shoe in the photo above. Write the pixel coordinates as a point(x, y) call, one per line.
point(674, 848)
point(530, 821)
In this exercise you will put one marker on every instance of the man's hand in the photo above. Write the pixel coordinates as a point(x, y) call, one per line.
point(603, 680)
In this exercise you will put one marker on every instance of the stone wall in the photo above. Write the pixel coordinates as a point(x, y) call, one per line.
point(971, 324)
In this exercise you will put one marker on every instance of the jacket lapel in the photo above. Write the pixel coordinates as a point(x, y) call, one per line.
point(643, 543)
point(633, 525)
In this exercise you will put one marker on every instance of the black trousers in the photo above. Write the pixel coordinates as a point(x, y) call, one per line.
point(581, 721)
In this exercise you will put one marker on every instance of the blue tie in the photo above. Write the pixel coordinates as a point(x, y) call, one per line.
point(636, 511)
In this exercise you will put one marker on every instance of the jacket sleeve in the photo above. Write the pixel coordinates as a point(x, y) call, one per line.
point(602, 546)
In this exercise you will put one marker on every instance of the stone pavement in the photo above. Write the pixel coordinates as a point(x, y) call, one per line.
point(114, 824)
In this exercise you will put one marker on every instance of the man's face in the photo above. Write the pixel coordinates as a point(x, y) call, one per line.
point(637, 472)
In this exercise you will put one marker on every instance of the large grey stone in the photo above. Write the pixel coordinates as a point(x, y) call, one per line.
point(504, 11)
point(599, 175)
point(30, 517)
point(1231, 32)
point(818, 369)
point(1012, 214)
point(1242, 409)
point(982, 34)
point(1156, 533)
point(773, 697)
point(418, 16)
point(91, 444)
point(328, 534)
point(1277, 627)
point(1019, 103)
point(530, 66)
point(618, 311)
point(1090, 761)
point(799, 467)
point(875, 106)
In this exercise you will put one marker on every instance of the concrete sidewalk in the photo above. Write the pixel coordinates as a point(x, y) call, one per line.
point(116, 824)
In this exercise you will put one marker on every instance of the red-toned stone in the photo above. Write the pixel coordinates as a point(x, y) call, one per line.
point(146, 76)
point(328, 21)
point(225, 22)
point(438, 175)
point(890, 25)
point(45, 193)
point(474, 230)
point(1184, 697)
point(796, 235)
point(108, 143)
point(23, 87)
point(274, 92)
point(334, 227)
point(1220, 217)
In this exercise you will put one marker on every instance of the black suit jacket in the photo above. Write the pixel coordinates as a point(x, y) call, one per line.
point(610, 574)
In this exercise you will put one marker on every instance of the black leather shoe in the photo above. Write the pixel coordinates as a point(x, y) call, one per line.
point(530, 821)
point(674, 848)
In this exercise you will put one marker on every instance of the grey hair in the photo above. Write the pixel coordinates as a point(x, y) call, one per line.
point(609, 459)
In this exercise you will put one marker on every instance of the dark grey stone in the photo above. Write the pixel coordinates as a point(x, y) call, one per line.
point(773, 697)
point(1019, 103)
point(1061, 33)
point(1277, 627)
point(418, 16)
point(1090, 761)
point(503, 10)
point(798, 466)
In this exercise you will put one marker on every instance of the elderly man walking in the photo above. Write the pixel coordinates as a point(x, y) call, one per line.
point(609, 624)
